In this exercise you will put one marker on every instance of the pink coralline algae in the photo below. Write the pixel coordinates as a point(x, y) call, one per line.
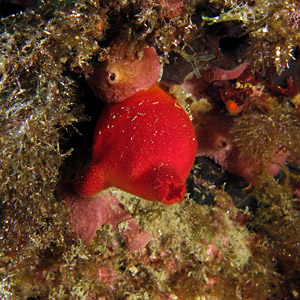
point(217, 74)
point(89, 213)
point(119, 78)
point(197, 85)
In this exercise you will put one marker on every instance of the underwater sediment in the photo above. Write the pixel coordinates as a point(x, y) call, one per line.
point(233, 67)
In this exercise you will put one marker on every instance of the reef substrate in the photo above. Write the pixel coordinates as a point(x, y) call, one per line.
point(236, 234)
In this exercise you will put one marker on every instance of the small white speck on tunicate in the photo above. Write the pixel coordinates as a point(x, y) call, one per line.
point(133, 118)
point(99, 132)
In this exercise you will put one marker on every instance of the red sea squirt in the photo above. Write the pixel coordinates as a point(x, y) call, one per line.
point(119, 78)
point(216, 142)
point(145, 145)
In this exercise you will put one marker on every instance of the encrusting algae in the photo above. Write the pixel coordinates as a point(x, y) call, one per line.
point(229, 238)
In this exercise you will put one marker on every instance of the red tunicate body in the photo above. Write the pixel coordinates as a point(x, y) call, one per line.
point(145, 145)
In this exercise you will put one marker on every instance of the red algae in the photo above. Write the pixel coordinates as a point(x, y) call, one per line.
point(89, 213)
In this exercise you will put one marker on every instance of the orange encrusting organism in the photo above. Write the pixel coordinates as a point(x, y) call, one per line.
point(232, 106)
point(145, 145)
